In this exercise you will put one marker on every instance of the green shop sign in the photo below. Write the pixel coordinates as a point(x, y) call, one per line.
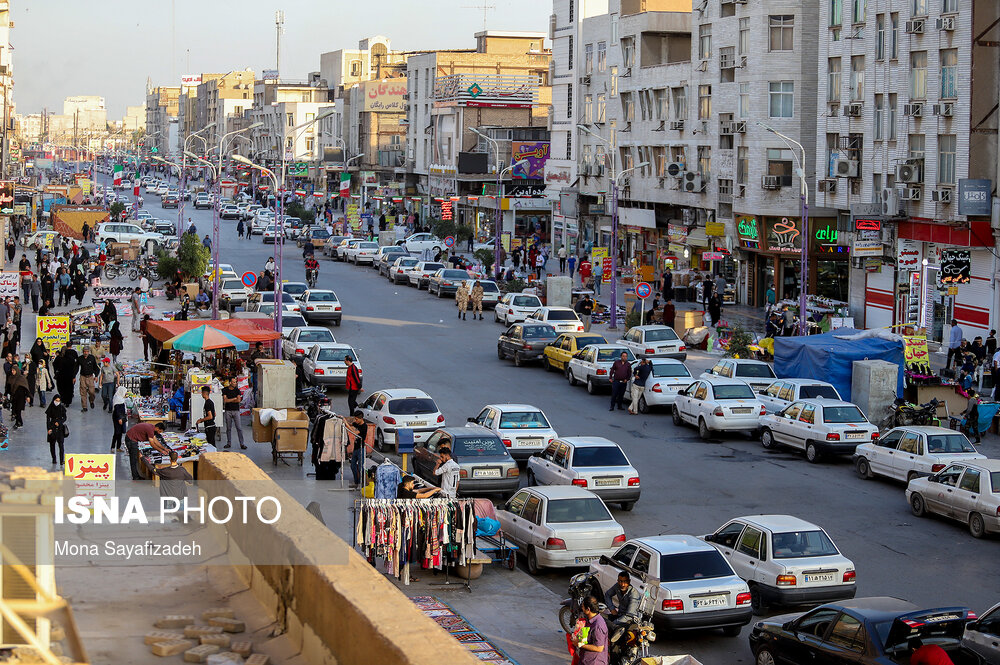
point(747, 228)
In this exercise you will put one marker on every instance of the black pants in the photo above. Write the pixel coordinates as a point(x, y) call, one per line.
point(562, 265)
point(56, 438)
point(617, 394)
point(210, 431)
point(116, 438)
point(133, 456)
point(352, 401)
point(951, 354)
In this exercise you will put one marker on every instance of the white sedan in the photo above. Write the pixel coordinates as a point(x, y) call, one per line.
point(668, 377)
point(654, 342)
point(236, 290)
point(756, 373)
point(592, 462)
point(515, 307)
point(818, 427)
point(783, 392)
point(397, 408)
point(400, 268)
point(418, 242)
point(904, 453)
point(563, 319)
point(420, 274)
point(968, 492)
point(362, 252)
point(324, 363)
point(523, 428)
point(592, 365)
point(718, 404)
point(560, 527)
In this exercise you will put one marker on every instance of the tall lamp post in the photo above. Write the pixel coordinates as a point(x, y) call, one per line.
point(498, 217)
point(800, 170)
point(614, 242)
point(182, 180)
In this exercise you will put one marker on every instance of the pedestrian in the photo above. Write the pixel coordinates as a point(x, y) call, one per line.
point(35, 291)
point(639, 377)
point(136, 304)
point(669, 313)
point(353, 384)
point(40, 379)
point(109, 382)
point(462, 300)
point(584, 308)
point(55, 424)
point(79, 287)
point(108, 313)
point(707, 286)
point(571, 262)
point(144, 284)
point(515, 257)
point(361, 434)
point(971, 414)
point(405, 491)
point(239, 229)
point(65, 365)
point(48, 286)
point(477, 300)
point(593, 650)
point(598, 276)
point(11, 249)
point(715, 308)
point(720, 286)
point(787, 322)
point(20, 393)
point(269, 265)
point(89, 372)
point(540, 260)
point(954, 342)
point(119, 418)
point(620, 373)
point(206, 242)
point(770, 298)
point(208, 416)
point(144, 433)
point(174, 480)
point(117, 340)
point(667, 284)
point(231, 398)
point(46, 307)
point(991, 343)
point(562, 258)
point(448, 470)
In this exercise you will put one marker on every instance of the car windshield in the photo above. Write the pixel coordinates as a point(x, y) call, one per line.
point(733, 392)
point(329, 296)
point(812, 392)
point(316, 336)
point(843, 414)
point(754, 371)
point(948, 443)
point(455, 274)
point(412, 406)
point(660, 335)
point(801, 544)
point(670, 369)
point(526, 301)
point(334, 354)
point(293, 289)
point(561, 315)
point(522, 420)
point(693, 566)
point(610, 355)
point(599, 456)
point(232, 284)
point(476, 446)
point(536, 332)
point(567, 511)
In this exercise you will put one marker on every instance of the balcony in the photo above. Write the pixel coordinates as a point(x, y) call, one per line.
point(487, 90)
point(391, 158)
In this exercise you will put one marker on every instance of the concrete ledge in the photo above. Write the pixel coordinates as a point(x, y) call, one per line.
point(346, 614)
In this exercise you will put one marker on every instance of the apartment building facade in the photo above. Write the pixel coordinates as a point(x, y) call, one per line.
point(161, 117)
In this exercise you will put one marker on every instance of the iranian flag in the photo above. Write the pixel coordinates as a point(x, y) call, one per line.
point(118, 171)
point(135, 189)
point(345, 184)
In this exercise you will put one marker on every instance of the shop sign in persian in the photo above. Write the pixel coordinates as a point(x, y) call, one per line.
point(53, 331)
point(386, 96)
point(536, 153)
point(974, 197)
point(676, 233)
point(783, 235)
point(915, 350)
point(908, 255)
point(956, 267)
point(10, 283)
point(715, 229)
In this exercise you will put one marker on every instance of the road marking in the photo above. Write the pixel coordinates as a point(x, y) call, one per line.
point(395, 323)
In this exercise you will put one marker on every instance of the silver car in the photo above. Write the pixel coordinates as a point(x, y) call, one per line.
point(592, 365)
point(324, 365)
point(668, 377)
point(399, 270)
point(983, 635)
point(321, 305)
point(592, 462)
point(420, 274)
point(491, 292)
point(968, 492)
point(783, 392)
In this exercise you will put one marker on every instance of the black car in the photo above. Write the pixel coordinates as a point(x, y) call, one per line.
point(525, 341)
point(169, 201)
point(863, 631)
point(486, 466)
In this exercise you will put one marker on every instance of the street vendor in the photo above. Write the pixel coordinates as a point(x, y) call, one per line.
point(148, 433)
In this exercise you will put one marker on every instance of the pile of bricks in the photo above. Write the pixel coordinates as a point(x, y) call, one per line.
point(209, 641)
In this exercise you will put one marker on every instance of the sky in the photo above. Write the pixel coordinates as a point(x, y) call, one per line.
point(109, 48)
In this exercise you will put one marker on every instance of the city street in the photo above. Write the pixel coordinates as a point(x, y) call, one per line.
point(407, 338)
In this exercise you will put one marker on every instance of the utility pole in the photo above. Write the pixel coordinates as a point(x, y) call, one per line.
point(279, 23)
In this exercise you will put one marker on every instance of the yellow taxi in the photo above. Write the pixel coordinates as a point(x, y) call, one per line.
point(558, 353)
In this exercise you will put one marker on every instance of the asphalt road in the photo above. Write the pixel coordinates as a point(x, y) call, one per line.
point(407, 338)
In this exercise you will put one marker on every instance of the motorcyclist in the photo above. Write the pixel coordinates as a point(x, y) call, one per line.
point(622, 601)
point(308, 249)
point(312, 267)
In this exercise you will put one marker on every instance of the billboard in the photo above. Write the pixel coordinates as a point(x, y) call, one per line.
point(536, 152)
point(974, 197)
point(383, 96)
point(190, 79)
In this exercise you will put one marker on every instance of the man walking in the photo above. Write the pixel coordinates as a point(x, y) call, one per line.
point(477, 300)
point(667, 284)
point(584, 308)
point(562, 259)
point(462, 300)
point(621, 370)
point(954, 342)
point(639, 377)
point(208, 416)
point(594, 651)
point(136, 304)
point(88, 377)
point(231, 397)
point(571, 262)
point(353, 384)
point(598, 277)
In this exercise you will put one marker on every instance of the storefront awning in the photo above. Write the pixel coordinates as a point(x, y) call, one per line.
point(246, 329)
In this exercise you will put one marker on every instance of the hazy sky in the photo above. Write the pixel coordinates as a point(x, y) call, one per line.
point(108, 48)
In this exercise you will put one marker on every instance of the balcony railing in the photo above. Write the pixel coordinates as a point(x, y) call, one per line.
point(487, 90)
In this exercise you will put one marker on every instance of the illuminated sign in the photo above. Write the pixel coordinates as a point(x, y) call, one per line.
point(784, 236)
point(867, 225)
point(826, 233)
point(747, 228)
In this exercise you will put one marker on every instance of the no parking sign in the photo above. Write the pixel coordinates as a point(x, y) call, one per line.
point(249, 279)
point(643, 290)
point(449, 242)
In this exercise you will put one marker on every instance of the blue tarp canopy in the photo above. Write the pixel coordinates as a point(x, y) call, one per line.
point(827, 358)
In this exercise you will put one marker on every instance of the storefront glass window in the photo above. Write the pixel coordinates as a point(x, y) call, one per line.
point(831, 279)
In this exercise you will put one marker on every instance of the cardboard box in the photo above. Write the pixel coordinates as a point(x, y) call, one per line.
point(261, 433)
point(192, 290)
point(292, 434)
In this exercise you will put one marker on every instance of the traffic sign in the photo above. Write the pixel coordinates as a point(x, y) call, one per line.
point(449, 241)
point(249, 279)
point(643, 289)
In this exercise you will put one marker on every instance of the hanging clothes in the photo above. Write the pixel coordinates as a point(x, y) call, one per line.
point(387, 479)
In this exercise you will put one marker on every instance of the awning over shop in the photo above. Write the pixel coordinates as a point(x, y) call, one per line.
point(246, 329)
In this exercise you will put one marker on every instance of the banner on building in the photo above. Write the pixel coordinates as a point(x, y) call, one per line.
point(53, 331)
point(354, 217)
point(536, 153)
point(298, 170)
point(387, 96)
point(784, 235)
point(956, 267)
point(10, 283)
point(369, 178)
point(915, 350)
point(867, 243)
point(190, 79)
point(715, 229)
point(908, 255)
point(974, 197)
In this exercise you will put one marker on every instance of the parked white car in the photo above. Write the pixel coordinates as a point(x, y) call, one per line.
point(785, 560)
point(667, 378)
point(783, 392)
point(400, 268)
point(756, 373)
point(523, 428)
point(592, 365)
point(324, 365)
point(420, 274)
point(418, 242)
point(515, 307)
point(968, 492)
point(235, 289)
point(905, 453)
point(122, 232)
point(818, 427)
point(298, 341)
point(717, 404)
point(491, 292)
point(592, 462)
point(563, 319)
point(560, 527)
point(654, 342)
point(396, 408)
point(361, 252)
point(698, 587)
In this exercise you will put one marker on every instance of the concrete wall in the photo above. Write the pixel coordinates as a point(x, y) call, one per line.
point(345, 614)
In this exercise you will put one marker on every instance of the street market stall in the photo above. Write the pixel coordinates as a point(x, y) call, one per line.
point(188, 447)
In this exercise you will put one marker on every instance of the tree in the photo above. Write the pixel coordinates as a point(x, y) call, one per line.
point(296, 209)
point(117, 209)
point(192, 257)
point(486, 256)
point(739, 343)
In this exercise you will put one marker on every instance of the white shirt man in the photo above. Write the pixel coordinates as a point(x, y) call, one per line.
point(448, 470)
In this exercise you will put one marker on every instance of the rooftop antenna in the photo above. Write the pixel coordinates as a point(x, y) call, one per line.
point(279, 23)
point(486, 7)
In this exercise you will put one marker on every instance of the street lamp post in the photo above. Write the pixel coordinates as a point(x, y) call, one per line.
point(804, 233)
point(215, 240)
point(498, 217)
point(614, 242)
point(182, 180)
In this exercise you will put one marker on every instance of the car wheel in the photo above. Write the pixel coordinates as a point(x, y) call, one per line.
point(570, 377)
point(766, 438)
point(518, 360)
point(500, 354)
point(977, 527)
point(643, 407)
point(812, 452)
point(591, 388)
point(732, 631)
point(677, 416)
point(703, 430)
point(627, 506)
point(756, 600)
point(380, 441)
point(765, 657)
point(532, 559)
point(545, 364)
point(917, 506)
point(863, 468)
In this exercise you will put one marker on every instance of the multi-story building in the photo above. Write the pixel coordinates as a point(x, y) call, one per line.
point(374, 59)
point(281, 107)
point(907, 138)
point(220, 99)
point(88, 111)
point(135, 118)
point(161, 116)
point(374, 129)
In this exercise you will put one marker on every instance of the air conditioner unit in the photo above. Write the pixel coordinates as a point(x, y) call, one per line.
point(916, 26)
point(677, 124)
point(890, 202)
point(828, 186)
point(771, 182)
point(946, 23)
point(693, 182)
point(908, 174)
point(675, 169)
point(913, 109)
point(910, 194)
point(945, 109)
point(941, 196)
point(726, 127)
point(853, 110)
point(585, 80)
point(846, 168)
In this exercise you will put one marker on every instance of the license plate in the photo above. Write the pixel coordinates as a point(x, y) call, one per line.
point(819, 577)
point(323, 308)
point(665, 349)
point(854, 435)
point(607, 482)
point(742, 410)
point(709, 601)
point(336, 370)
point(586, 559)
point(527, 443)
point(418, 423)
point(486, 473)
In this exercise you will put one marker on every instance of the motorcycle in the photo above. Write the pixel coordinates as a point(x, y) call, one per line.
point(902, 413)
point(580, 586)
point(313, 399)
point(634, 637)
point(311, 277)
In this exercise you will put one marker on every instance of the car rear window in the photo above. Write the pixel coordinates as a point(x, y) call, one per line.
point(288, 321)
point(562, 315)
point(488, 287)
point(412, 406)
point(843, 414)
point(661, 335)
point(754, 371)
point(367, 245)
point(608, 355)
point(527, 301)
point(584, 340)
point(477, 446)
point(334, 354)
point(812, 392)
point(523, 420)
point(798, 544)
point(232, 284)
point(315, 336)
point(536, 332)
point(406, 263)
point(294, 289)
point(733, 392)
point(949, 443)
point(995, 481)
point(455, 274)
point(568, 511)
point(599, 456)
point(323, 297)
point(693, 566)
point(670, 370)
point(433, 266)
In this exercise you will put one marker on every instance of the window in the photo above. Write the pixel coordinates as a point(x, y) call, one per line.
point(585, 154)
point(290, 119)
point(569, 53)
point(704, 102)
point(859, 9)
point(613, 81)
point(949, 7)
point(836, 12)
point(894, 40)
point(970, 481)
point(817, 623)
point(781, 29)
point(920, 7)
point(833, 80)
point(588, 59)
point(602, 56)
point(880, 37)
point(946, 159)
point(857, 78)
point(742, 164)
point(780, 98)
point(588, 109)
point(355, 68)
point(625, 554)
point(750, 542)
point(532, 511)
point(744, 35)
point(569, 100)
point(949, 73)
point(728, 535)
point(680, 102)
point(662, 111)
point(892, 116)
point(918, 75)
point(309, 145)
point(601, 108)
point(628, 51)
point(779, 163)
point(848, 633)
point(614, 28)
point(744, 103)
point(918, 146)
point(808, 414)
point(879, 116)
point(705, 41)
point(569, 145)
point(572, 8)
point(705, 160)
point(909, 444)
